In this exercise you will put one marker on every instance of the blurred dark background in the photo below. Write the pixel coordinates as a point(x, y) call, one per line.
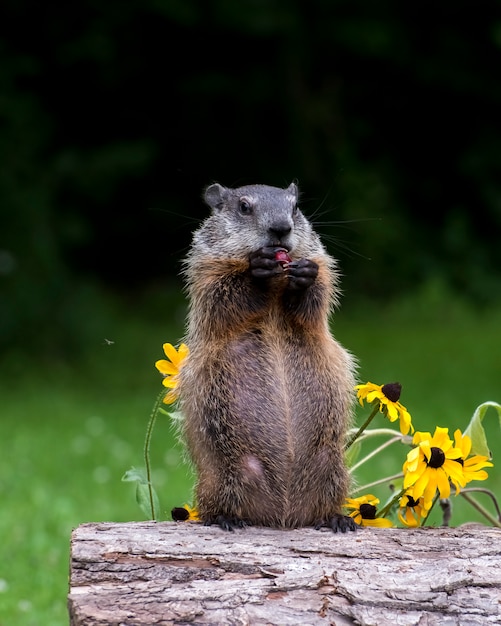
point(114, 115)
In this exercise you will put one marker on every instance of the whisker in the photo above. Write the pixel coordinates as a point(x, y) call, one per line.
point(185, 217)
point(347, 249)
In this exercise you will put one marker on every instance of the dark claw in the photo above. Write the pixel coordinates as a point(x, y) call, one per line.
point(226, 523)
point(339, 523)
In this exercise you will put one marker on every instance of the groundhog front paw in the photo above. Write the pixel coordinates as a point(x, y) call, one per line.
point(302, 274)
point(270, 262)
point(339, 523)
point(226, 523)
point(266, 263)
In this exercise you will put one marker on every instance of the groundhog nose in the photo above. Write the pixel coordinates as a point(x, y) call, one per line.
point(279, 232)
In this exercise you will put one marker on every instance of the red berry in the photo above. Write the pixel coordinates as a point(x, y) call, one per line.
point(282, 257)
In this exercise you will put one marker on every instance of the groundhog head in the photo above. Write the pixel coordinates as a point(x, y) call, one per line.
point(255, 216)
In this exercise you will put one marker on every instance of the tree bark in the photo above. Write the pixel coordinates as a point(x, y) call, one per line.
point(167, 573)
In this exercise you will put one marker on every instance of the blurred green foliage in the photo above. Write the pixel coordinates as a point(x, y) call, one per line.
point(114, 116)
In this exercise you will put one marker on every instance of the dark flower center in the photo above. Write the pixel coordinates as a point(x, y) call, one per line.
point(437, 458)
point(392, 391)
point(411, 503)
point(368, 511)
point(180, 514)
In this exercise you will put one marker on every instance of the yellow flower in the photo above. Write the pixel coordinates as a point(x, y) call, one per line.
point(411, 512)
point(171, 368)
point(431, 465)
point(387, 396)
point(472, 467)
point(364, 511)
point(185, 513)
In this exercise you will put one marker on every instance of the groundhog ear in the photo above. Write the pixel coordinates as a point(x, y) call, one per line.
point(215, 195)
point(293, 189)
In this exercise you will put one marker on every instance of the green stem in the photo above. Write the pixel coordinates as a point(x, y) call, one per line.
point(354, 437)
point(425, 519)
point(376, 451)
point(480, 508)
point(387, 508)
point(377, 432)
point(147, 442)
point(381, 481)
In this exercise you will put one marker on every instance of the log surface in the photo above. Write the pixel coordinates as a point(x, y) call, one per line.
point(166, 573)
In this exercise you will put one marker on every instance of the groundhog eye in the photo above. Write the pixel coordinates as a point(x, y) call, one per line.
point(245, 207)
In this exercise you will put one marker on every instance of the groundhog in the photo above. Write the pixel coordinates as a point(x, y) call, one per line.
point(266, 391)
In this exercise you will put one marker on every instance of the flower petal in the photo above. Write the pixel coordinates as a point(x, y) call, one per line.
point(166, 368)
point(441, 439)
point(373, 395)
point(420, 436)
point(378, 522)
point(405, 421)
point(426, 483)
point(425, 448)
point(183, 352)
point(170, 397)
point(171, 353)
point(443, 484)
point(454, 471)
point(430, 491)
point(463, 442)
point(170, 382)
point(392, 412)
point(409, 519)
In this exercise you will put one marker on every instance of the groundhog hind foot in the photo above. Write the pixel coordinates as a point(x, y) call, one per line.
point(226, 522)
point(339, 523)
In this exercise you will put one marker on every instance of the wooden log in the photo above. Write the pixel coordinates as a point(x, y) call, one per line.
point(168, 573)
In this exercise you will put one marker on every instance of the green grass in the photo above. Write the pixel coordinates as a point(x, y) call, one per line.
point(70, 431)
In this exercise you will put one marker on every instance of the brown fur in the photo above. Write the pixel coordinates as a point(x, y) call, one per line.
point(266, 391)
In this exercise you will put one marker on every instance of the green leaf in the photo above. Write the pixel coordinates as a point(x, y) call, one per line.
point(144, 501)
point(134, 475)
point(476, 431)
point(146, 496)
point(353, 452)
point(175, 416)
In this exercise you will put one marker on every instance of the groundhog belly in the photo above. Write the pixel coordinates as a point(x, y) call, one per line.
point(279, 421)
